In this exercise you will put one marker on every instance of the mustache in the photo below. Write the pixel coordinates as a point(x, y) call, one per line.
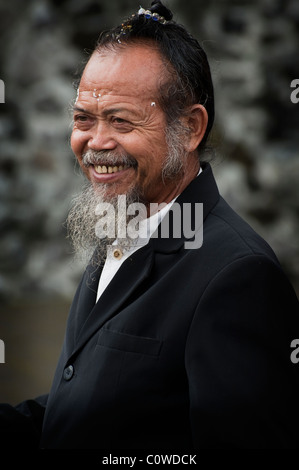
point(107, 157)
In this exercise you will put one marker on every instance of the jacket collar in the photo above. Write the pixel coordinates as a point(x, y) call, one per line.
point(203, 189)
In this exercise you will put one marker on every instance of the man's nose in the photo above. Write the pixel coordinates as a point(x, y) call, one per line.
point(101, 138)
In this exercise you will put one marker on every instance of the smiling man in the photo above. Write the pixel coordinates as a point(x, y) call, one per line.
point(118, 110)
point(165, 347)
point(122, 139)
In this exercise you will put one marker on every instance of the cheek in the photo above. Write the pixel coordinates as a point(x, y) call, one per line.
point(76, 144)
point(83, 168)
point(73, 142)
point(77, 148)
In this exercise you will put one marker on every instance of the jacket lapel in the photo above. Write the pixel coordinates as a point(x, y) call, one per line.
point(129, 276)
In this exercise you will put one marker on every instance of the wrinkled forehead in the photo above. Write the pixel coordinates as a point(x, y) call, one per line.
point(133, 69)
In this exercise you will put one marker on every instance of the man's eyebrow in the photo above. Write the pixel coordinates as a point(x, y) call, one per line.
point(80, 110)
point(118, 109)
point(105, 112)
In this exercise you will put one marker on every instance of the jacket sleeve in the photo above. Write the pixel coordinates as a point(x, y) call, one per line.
point(20, 426)
point(243, 385)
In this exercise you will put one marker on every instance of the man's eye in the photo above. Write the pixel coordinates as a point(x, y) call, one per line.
point(117, 120)
point(80, 118)
point(121, 125)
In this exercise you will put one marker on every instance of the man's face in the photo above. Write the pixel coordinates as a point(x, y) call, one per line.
point(117, 110)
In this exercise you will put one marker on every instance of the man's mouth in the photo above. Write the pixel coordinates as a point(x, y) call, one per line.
point(107, 167)
point(101, 169)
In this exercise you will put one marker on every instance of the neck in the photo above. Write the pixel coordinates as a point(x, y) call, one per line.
point(178, 185)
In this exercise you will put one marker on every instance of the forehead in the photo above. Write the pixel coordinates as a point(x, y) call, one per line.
point(132, 70)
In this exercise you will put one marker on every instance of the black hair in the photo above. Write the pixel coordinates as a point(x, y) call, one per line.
point(190, 80)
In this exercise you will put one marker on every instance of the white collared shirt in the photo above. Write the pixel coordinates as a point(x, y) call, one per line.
point(146, 228)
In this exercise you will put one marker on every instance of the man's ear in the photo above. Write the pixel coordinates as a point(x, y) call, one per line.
point(196, 120)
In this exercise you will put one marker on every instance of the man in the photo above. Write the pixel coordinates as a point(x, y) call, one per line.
point(168, 345)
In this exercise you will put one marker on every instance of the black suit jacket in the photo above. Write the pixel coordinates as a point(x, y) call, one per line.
point(186, 348)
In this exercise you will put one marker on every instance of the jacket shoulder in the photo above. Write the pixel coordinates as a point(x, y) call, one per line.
point(233, 235)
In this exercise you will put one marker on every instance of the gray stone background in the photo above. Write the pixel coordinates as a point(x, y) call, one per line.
point(253, 50)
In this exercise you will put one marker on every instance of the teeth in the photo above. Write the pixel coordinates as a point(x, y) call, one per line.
point(109, 169)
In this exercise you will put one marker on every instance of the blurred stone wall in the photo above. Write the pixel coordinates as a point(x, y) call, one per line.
point(253, 47)
point(253, 51)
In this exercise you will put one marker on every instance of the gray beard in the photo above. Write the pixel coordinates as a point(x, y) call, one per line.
point(82, 218)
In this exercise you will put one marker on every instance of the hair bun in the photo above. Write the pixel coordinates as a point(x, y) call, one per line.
point(158, 7)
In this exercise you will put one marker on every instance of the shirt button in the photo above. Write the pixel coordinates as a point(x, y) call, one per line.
point(68, 373)
point(117, 253)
